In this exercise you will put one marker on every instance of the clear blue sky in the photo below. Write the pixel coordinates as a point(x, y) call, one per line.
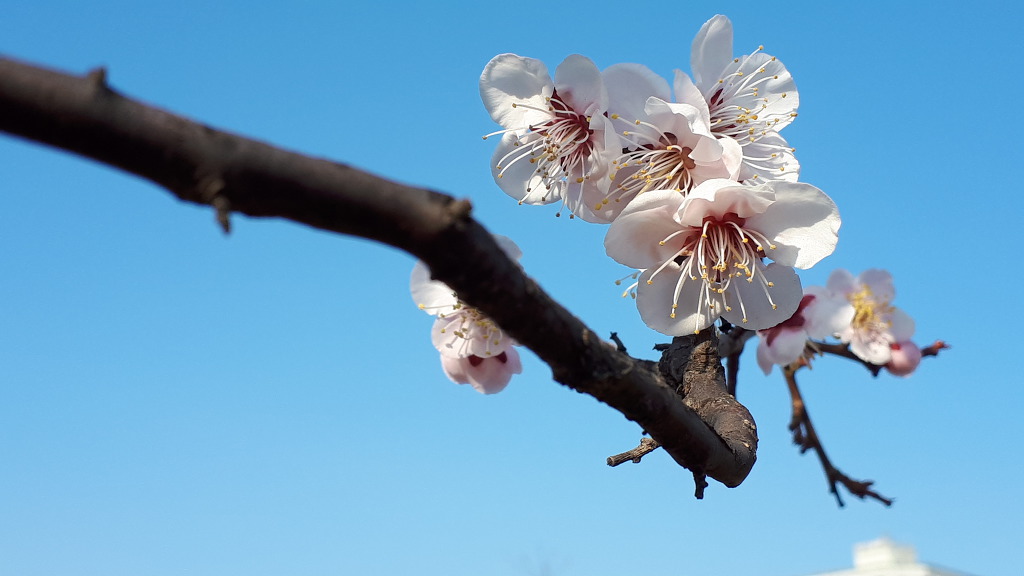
point(173, 401)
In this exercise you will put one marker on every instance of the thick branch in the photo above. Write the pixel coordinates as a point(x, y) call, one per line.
point(202, 165)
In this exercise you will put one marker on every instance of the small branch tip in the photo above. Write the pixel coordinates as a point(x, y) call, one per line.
point(98, 77)
point(461, 208)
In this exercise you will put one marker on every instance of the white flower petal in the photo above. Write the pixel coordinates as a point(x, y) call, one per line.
point(768, 157)
point(579, 84)
point(431, 296)
point(629, 86)
point(711, 51)
point(718, 197)
point(787, 346)
point(485, 375)
point(880, 283)
point(517, 176)
point(751, 307)
point(902, 326)
point(803, 223)
point(872, 347)
point(633, 239)
point(688, 93)
point(511, 79)
point(841, 281)
point(828, 314)
point(654, 302)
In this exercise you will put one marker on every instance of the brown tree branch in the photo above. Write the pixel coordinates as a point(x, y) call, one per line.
point(806, 437)
point(233, 174)
point(692, 366)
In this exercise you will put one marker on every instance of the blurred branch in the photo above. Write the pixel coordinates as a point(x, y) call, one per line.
point(237, 175)
point(806, 437)
point(843, 350)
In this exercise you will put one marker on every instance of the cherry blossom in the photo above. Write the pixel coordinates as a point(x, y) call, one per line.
point(876, 324)
point(818, 316)
point(748, 98)
point(702, 255)
point(556, 140)
point(474, 350)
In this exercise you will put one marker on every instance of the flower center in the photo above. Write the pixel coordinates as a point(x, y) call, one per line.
point(559, 147)
point(869, 313)
point(472, 330)
point(742, 85)
point(719, 254)
point(661, 164)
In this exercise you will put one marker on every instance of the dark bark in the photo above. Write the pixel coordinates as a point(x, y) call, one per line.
point(233, 174)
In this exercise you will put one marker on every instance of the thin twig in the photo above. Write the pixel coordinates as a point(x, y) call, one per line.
point(647, 445)
point(806, 437)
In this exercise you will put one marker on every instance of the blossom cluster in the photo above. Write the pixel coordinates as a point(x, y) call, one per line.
point(856, 310)
point(701, 195)
point(695, 179)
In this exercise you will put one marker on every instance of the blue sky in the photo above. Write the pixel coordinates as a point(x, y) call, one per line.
point(176, 401)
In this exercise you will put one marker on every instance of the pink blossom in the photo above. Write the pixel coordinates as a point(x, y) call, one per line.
point(876, 324)
point(487, 375)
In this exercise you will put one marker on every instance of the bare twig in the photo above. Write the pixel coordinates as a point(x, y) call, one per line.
point(806, 437)
point(85, 116)
point(647, 445)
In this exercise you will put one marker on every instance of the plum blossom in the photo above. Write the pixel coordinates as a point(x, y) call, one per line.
point(818, 316)
point(876, 325)
point(474, 350)
point(702, 255)
point(557, 141)
point(748, 98)
point(667, 145)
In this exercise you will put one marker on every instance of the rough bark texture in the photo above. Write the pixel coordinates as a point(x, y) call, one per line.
point(233, 174)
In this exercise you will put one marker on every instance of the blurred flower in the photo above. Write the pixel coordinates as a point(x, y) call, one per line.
point(747, 98)
point(557, 140)
point(876, 324)
point(485, 375)
point(474, 350)
point(702, 255)
point(818, 316)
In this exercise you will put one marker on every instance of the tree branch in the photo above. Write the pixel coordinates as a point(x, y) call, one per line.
point(233, 174)
point(806, 437)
